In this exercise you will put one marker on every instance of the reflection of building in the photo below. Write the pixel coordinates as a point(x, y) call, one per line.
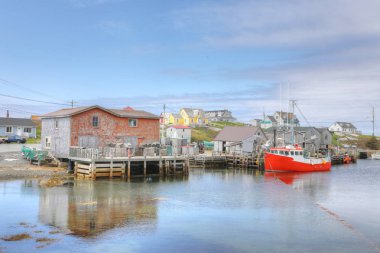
point(90, 208)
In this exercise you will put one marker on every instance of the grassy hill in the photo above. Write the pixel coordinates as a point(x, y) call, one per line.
point(361, 142)
point(209, 133)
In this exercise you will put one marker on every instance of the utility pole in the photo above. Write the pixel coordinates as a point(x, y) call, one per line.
point(163, 124)
point(72, 102)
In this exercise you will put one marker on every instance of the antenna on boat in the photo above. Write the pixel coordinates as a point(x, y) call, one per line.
point(293, 102)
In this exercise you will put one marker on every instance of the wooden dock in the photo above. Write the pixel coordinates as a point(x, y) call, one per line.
point(227, 160)
point(95, 163)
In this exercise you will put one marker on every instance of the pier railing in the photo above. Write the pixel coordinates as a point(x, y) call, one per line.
point(99, 153)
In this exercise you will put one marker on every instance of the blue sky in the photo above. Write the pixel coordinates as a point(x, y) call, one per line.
point(207, 54)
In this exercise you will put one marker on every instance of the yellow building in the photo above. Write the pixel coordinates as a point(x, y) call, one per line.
point(176, 119)
point(193, 117)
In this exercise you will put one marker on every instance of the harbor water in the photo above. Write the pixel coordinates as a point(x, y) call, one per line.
point(208, 211)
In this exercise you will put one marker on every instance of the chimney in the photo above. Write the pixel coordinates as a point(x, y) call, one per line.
point(128, 108)
point(7, 113)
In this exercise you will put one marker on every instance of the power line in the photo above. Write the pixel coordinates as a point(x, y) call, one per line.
point(33, 100)
point(10, 84)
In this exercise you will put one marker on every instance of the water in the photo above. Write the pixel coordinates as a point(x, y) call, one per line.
point(209, 211)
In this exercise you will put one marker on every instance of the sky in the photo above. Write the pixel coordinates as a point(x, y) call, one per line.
point(248, 56)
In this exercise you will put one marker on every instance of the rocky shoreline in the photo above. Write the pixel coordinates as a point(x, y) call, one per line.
point(14, 166)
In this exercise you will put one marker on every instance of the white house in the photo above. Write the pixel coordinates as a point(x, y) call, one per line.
point(343, 127)
point(179, 132)
point(18, 126)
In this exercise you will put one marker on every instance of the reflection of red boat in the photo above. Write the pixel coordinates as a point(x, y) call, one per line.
point(293, 159)
point(286, 177)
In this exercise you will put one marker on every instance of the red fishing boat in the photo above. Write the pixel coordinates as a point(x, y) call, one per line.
point(293, 158)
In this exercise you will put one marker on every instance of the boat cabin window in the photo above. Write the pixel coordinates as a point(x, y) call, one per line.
point(301, 153)
point(286, 152)
point(296, 153)
point(281, 152)
point(291, 152)
point(276, 151)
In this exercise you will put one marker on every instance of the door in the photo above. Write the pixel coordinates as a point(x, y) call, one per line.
point(19, 131)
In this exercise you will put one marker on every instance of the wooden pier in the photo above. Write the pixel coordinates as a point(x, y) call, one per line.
point(95, 163)
point(227, 160)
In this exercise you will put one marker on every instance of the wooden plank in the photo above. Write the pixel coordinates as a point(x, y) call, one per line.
point(83, 166)
point(83, 171)
point(108, 165)
point(108, 170)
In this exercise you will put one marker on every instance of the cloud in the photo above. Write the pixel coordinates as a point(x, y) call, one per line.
point(248, 23)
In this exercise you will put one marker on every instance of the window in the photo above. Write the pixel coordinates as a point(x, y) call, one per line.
point(296, 153)
point(56, 124)
point(281, 152)
point(95, 121)
point(301, 153)
point(28, 130)
point(286, 152)
point(132, 122)
point(9, 130)
point(47, 142)
point(291, 152)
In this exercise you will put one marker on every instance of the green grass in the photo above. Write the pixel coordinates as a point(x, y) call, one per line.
point(202, 134)
point(35, 140)
point(221, 124)
point(360, 143)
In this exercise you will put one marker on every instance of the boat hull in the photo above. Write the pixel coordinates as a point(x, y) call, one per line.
point(273, 162)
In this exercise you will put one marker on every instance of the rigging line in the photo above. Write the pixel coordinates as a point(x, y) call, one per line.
point(33, 100)
point(9, 83)
point(302, 115)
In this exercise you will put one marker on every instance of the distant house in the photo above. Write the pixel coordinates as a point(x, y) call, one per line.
point(179, 132)
point(310, 138)
point(18, 126)
point(95, 126)
point(269, 121)
point(175, 119)
point(286, 119)
point(219, 115)
point(240, 140)
point(164, 118)
point(280, 119)
point(255, 122)
point(343, 127)
point(193, 117)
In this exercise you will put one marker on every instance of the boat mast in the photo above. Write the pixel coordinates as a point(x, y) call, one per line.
point(293, 102)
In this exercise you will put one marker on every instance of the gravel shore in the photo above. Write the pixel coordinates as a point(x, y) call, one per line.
point(14, 166)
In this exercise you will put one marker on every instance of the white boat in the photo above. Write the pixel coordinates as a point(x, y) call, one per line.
point(376, 156)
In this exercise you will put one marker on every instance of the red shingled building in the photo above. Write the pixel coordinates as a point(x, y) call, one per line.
point(95, 126)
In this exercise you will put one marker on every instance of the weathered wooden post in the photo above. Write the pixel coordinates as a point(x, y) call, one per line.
point(93, 167)
point(160, 165)
point(111, 166)
point(129, 166)
point(75, 168)
point(123, 170)
point(145, 165)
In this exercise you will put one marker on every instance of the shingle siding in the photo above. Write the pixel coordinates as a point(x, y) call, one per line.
point(60, 138)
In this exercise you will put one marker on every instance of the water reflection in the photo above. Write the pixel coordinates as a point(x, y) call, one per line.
point(88, 208)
